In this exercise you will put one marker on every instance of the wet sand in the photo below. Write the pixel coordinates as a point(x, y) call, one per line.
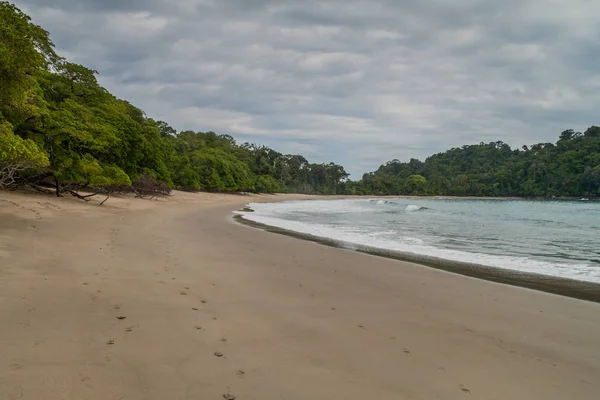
point(172, 299)
point(582, 290)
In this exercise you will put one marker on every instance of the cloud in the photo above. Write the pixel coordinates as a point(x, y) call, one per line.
point(356, 82)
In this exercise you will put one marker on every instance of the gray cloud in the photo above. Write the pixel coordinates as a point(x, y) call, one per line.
point(357, 82)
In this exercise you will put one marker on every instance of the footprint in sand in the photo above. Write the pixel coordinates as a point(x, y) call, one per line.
point(15, 366)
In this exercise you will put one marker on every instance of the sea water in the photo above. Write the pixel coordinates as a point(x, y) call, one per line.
point(557, 238)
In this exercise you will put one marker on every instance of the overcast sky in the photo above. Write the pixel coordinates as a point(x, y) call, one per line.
point(351, 81)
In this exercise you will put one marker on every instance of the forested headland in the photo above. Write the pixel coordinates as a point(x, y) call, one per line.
point(60, 129)
point(568, 168)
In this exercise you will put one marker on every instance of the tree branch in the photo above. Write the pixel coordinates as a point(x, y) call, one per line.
point(84, 198)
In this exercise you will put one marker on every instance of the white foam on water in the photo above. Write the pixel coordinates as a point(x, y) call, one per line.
point(269, 214)
point(310, 206)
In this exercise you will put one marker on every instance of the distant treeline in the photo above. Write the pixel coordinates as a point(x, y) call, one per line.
point(571, 167)
point(59, 128)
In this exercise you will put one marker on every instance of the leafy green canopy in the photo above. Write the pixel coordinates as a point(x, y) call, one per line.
point(89, 138)
point(571, 167)
point(17, 156)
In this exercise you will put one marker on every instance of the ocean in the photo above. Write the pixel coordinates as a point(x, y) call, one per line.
point(556, 238)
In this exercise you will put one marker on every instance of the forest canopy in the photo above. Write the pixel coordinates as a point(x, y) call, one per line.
point(569, 167)
point(60, 128)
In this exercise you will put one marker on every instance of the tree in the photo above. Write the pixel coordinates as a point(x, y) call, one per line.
point(266, 184)
point(165, 129)
point(25, 49)
point(220, 171)
point(17, 155)
point(416, 183)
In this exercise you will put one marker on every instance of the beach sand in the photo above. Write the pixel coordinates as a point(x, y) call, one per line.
point(210, 307)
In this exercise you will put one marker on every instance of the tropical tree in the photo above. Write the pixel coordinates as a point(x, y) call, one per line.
point(17, 156)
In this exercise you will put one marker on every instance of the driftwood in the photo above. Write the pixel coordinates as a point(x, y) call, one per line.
point(146, 186)
point(40, 188)
point(85, 198)
point(107, 197)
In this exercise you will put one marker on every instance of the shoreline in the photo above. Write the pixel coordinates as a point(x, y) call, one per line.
point(437, 197)
point(581, 290)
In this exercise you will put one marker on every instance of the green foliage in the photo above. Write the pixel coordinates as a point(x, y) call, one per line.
point(110, 175)
point(17, 155)
point(266, 184)
point(219, 170)
point(25, 49)
point(208, 161)
point(571, 167)
point(416, 183)
point(14, 149)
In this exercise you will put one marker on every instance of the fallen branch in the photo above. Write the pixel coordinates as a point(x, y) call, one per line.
point(84, 198)
point(107, 196)
point(40, 189)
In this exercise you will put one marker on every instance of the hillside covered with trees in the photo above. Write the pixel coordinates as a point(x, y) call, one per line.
point(571, 167)
point(60, 129)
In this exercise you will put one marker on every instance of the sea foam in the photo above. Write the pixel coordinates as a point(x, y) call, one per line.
point(361, 222)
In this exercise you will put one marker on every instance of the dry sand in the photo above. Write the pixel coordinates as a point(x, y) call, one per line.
point(286, 318)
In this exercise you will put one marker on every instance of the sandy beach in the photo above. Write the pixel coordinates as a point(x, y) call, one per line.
point(172, 299)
